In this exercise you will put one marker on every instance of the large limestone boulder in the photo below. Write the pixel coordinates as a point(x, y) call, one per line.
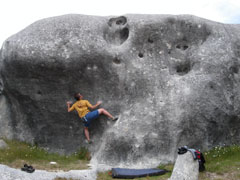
point(172, 80)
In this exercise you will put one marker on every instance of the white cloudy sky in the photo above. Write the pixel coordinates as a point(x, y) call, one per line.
point(17, 14)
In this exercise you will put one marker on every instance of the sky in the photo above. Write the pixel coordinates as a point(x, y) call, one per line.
point(15, 15)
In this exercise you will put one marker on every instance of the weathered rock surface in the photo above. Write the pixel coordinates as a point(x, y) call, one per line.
point(8, 173)
point(185, 168)
point(173, 80)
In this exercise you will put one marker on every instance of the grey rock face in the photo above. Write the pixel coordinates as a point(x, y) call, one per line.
point(3, 144)
point(185, 168)
point(8, 173)
point(173, 81)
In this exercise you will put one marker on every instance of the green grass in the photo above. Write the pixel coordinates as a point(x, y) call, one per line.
point(223, 159)
point(222, 163)
point(19, 153)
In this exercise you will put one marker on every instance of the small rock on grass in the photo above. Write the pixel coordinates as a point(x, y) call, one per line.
point(3, 144)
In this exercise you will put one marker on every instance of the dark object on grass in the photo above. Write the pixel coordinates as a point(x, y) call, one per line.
point(201, 163)
point(28, 169)
point(134, 173)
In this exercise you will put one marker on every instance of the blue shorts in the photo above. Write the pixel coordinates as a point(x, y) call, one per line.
point(89, 117)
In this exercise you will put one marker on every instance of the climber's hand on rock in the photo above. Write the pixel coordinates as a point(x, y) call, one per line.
point(69, 103)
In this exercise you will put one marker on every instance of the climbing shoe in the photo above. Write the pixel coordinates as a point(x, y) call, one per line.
point(89, 142)
point(115, 119)
point(25, 167)
point(28, 169)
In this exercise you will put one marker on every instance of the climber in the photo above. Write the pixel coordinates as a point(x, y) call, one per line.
point(82, 107)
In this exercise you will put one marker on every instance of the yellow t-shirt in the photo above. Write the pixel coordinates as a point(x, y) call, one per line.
point(81, 106)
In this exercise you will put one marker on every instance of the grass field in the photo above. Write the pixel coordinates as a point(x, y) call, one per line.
point(222, 163)
point(19, 153)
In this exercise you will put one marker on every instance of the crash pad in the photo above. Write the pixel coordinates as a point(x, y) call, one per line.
point(134, 173)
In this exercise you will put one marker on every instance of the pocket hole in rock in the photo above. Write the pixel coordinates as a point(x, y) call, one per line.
point(184, 47)
point(116, 61)
point(183, 69)
point(119, 22)
point(140, 55)
point(150, 40)
point(234, 69)
point(39, 92)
